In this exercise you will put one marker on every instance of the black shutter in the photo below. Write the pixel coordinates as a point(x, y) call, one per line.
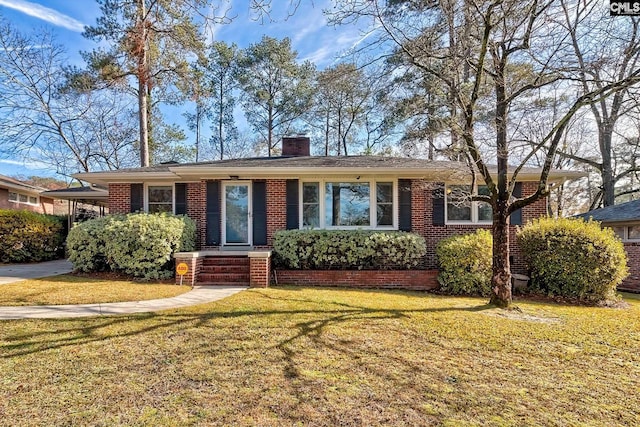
point(516, 216)
point(404, 210)
point(437, 198)
point(181, 198)
point(293, 221)
point(137, 198)
point(259, 213)
point(213, 213)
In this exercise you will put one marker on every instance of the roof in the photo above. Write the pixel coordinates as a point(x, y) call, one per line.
point(293, 167)
point(624, 212)
point(91, 195)
point(14, 184)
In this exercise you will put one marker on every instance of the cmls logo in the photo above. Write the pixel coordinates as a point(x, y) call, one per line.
point(624, 8)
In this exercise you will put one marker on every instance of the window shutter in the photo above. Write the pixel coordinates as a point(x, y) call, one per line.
point(181, 198)
point(213, 213)
point(137, 198)
point(404, 208)
point(437, 198)
point(293, 219)
point(516, 216)
point(259, 212)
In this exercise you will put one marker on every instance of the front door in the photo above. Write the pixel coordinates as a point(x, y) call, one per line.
point(236, 213)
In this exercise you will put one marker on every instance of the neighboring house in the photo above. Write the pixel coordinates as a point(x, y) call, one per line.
point(18, 195)
point(240, 204)
point(625, 221)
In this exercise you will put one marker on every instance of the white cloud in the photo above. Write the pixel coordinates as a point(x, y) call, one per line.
point(28, 164)
point(46, 14)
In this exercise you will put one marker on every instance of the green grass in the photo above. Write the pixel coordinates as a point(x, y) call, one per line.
point(295, 356)
point(67, 289)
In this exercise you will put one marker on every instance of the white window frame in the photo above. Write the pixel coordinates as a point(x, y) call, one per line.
point(28, 196)
point(159, 184)
point(373, 202)
point(474, 208)
point(625, 227)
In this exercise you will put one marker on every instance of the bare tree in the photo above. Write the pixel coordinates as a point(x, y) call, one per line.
point(45, 119)
point(615, 56)
point(492, 56)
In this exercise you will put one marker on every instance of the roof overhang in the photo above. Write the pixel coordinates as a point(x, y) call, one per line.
point(197, 173)
point(21, 188)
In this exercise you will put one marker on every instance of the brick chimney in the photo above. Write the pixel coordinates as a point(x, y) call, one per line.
point(296, 146)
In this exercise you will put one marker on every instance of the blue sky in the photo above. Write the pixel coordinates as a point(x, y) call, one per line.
point(307, 28)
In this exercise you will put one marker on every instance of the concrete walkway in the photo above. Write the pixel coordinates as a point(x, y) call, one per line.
point(16, 272)
point(198, 295)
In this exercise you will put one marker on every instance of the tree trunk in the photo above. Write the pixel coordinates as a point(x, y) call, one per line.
point(608, 181)
point(221, 119)
point(143, 82)
point(501, 270)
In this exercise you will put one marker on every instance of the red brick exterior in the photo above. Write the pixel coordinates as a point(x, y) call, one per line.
point(194, 264)
point(259, 271)
point(422, 222)
point(197, 209)
point(276, 207)
point(378, 279)
point(119, 198)
point(632, 283)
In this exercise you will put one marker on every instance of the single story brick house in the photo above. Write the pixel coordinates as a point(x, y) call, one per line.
point(625, 221)
point(239, 204)
point(18, 195)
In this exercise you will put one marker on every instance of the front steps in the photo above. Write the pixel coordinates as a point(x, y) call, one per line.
point(224, 270)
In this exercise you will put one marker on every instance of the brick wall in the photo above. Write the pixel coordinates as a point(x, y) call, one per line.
point(632, 283)
point(276, 207)
point(422, 222)
point(45, 206)
point(197, 209)
point(119, 198)
point(376, 279)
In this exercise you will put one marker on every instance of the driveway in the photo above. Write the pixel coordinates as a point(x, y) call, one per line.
point(15, 272)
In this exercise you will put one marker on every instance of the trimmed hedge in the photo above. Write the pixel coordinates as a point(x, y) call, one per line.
point(347, 250)
point(136, 244)
point(465, 263)
point(31, 237)
point(573, 258)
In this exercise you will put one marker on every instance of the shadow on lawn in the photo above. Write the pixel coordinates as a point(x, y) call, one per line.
point(60, 333)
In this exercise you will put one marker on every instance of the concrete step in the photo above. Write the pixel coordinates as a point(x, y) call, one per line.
point(225, 260)
point(204, 278)
point(229, 268)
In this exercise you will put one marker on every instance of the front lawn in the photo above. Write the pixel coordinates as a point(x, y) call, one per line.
point(68, 289)
point(327, 357)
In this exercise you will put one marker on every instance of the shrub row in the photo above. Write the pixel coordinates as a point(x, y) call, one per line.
point(31, 237)
point(347, 249)
point(137, 244)
point(566, 257)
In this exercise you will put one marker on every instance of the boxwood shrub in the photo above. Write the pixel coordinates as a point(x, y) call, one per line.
point(137, 244)
point(31, 237)
point(465, 263)
point(347, 249)
point(573, 258)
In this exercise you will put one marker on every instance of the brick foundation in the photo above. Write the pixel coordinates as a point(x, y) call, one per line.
point(259, 269)
point(193, 262)
point(374, 279)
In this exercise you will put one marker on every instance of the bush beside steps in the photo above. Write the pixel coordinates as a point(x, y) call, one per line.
point(140, 245)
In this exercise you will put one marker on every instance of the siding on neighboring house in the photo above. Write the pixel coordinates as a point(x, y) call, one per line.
point(45, 205)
